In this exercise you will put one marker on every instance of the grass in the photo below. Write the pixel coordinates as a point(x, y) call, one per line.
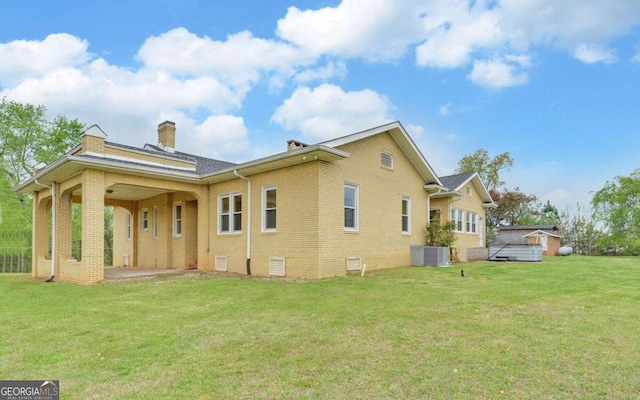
point(562, 329)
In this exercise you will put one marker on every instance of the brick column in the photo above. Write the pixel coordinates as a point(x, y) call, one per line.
point(64, 218)
point(93, 225)
point(39, 233)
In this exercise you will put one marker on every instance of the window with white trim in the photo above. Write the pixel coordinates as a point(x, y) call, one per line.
point(154, 222)
point(472, 219)
point(127, 225)
point(457, 216)
point(406, 214)
point(145, 219)
point(230, 213)
point(386, 160)
point(269, 208)
point(177, 219)
point(350, 207)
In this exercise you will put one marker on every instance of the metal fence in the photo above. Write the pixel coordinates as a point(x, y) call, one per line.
point(14, 260)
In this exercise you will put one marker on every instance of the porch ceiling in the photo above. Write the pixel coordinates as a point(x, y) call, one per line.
point(121, 191)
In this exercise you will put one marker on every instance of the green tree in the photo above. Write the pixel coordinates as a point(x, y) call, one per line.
point(440, 235)
point(617, 206)
point(487, 168)
point(514, 207)
point(27, 137)
point(542, 214)
point(581, 233)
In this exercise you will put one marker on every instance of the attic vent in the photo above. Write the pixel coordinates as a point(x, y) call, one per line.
point(276, 266)
point(386, 160)
point(354, 263)
point(221, 263)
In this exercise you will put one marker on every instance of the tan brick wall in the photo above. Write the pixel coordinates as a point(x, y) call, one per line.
point(147, 157)
point(92, 144)
point(121, 246)
point(93, 225)
point(379, 241)
point(297, 221)
point(234, 245)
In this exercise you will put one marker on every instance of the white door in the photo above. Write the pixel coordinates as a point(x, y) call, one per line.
point(544, 243)
point(481, 232)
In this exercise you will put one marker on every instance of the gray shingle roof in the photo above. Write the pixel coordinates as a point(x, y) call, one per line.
point(528, 227)
point(203, 164)
point(452, 182)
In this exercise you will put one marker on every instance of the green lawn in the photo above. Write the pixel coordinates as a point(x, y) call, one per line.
point(567, 328)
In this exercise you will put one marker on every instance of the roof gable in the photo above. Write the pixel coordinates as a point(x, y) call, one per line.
point(402, 139)
point(455, 183)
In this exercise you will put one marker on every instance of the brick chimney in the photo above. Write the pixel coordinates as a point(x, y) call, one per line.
point(167, 136)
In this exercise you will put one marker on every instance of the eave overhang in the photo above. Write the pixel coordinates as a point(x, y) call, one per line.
point(72, 165)
point(277, 161)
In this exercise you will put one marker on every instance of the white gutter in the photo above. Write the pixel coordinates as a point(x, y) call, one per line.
point(235, 172)
point(53, 227)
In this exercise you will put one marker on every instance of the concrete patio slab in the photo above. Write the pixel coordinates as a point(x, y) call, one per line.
point(111, 274)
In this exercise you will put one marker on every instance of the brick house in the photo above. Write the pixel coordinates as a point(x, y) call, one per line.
point(312, 211)
point(464, 200)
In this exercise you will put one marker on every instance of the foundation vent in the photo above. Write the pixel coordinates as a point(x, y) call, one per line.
point(276, 266)
point(221, 263)
point(354, 263)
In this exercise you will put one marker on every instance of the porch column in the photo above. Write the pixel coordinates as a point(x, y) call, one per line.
point(64, 226)
point(39, 234)
point(93, 225)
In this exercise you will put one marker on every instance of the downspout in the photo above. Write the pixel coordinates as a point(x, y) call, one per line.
point(53, 228)
point(235, 172)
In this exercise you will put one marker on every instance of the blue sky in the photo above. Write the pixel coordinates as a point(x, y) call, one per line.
point(556, 84)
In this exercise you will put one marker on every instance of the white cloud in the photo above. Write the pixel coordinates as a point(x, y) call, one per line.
point(22, 59)
point(331, 70)
point(375, 30)
point(220, 135)
point(328, 112)
point(496, 74)
point(461, 31)
point(591, 54)
point(445, 110)
point(238, 61)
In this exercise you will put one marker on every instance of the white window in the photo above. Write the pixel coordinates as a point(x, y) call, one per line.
point(406, 215)
point(145, 219)
point(269, 209)
point(472, 222)
point(468, 188)
point(177, 219)
point(457, 217)
point(154, 222)
point(386, 160)
point(350, 207)
point(230, 213)
point(127, 226)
